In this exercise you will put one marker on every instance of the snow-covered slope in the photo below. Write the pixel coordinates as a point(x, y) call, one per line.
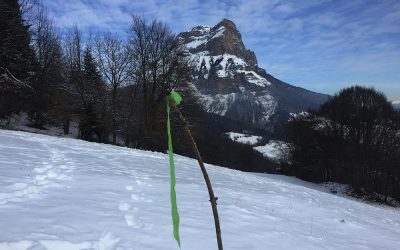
point(60, 193)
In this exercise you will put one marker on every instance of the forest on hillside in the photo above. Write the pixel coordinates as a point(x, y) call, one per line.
point(353, 138)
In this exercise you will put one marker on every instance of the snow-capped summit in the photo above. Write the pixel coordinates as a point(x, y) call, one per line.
point(223, 38)
point(230, 83)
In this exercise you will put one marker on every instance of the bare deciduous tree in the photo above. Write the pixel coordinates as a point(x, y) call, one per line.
point(49, 57)
point(158, 64)
point(113, 60)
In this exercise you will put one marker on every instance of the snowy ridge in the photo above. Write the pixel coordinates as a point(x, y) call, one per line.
point(117, 198)
point(253, 77)
point(243, 138)
point(206, 36)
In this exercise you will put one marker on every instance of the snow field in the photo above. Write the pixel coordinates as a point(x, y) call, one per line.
point(243, 138)
point(60, 193)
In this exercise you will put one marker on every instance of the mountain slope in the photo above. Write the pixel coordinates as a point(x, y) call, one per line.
point(58, 193)
point(230, 83)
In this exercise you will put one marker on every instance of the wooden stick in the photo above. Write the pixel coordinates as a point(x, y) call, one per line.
point(213, 199)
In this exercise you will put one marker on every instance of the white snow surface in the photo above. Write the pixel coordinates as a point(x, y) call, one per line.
point(243, 138)
point(63, 193)
point(274, 150)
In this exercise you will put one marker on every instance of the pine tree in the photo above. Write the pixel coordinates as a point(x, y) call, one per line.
point(17, 59)
point(93, 82)
point(16, 55)
point(93, 122)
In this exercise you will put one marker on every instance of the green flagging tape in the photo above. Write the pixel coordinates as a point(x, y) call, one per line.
point(175, 97)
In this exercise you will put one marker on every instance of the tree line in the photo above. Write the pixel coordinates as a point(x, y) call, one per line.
point(354, 138)
point(111, 88)
point(100, 82)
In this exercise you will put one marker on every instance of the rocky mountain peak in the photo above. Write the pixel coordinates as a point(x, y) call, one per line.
point(229, 82)
point(223, 38)
point(227, 24)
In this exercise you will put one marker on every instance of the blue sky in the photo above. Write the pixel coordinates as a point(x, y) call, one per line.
point(321, 45)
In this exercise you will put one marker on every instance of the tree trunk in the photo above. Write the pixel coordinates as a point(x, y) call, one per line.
point(66, 126)
point(114, 122)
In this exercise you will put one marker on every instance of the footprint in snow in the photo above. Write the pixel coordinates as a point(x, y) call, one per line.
point(42, 169)
point(123, 206)
point(142, 183)
point(133, 221)
point(18, 186)
point(136, 197)
point(129, 188)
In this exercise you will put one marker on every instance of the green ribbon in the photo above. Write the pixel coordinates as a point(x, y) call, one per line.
point(174, 97)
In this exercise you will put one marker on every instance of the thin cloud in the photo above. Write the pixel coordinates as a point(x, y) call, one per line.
point(298, 41)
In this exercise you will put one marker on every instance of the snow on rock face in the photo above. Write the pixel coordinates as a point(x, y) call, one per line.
point(224, 68)
point(219, 104)
point(226, 72)
point(117, 198)
point(204, 35)
point(242, 105)
point(253, 77)
point(227, 66)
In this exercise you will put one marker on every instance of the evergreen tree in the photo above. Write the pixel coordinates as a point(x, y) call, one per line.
point(93, 82)
point(93, 123)
point(17, 59)
point(16, 55)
